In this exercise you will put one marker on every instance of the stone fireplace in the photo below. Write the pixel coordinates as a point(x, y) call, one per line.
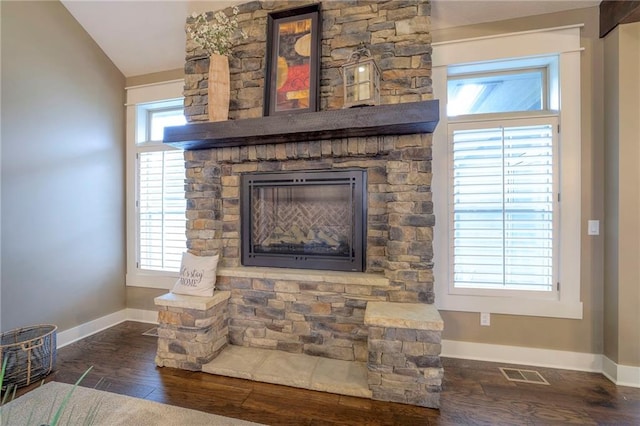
point(376, 310)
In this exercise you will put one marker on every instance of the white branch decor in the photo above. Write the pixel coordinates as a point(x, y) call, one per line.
point(213, 32)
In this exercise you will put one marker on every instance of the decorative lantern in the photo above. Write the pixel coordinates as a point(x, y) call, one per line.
point(361, 79)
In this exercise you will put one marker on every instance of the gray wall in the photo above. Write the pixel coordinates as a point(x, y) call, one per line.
point(63, 247)
point(613, 196)
point(622, 130)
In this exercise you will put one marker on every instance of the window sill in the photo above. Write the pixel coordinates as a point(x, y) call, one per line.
point(159, 280)
point(510, 305)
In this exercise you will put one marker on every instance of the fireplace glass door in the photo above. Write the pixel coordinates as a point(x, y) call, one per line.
point(311, 220)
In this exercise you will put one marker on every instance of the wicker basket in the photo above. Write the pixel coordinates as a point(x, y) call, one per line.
point(30, 353)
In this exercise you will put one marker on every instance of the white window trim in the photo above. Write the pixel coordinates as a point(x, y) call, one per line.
point(564, 41)
point(140, 95)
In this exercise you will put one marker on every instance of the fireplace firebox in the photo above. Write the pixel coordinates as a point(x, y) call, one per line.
point(304, 219)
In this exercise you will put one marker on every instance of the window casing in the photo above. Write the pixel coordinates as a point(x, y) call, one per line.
point(156, 205)
point(506, 182)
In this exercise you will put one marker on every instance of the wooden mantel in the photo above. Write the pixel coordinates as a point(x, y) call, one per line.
point(615, 12)
point(396, 119)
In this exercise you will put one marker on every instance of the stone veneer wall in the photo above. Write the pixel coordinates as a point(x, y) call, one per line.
point(404, 353)
point(400, 210)
point(323, 312)
point(191, 336)
point(397, 32)
point(315, 314)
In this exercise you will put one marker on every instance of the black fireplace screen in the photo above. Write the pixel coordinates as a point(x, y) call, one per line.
point(311, 220)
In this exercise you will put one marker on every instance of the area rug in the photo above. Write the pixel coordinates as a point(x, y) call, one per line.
point(90, 406)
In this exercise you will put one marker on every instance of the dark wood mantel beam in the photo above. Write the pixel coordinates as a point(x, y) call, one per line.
point(396, 119)
point(615, 12)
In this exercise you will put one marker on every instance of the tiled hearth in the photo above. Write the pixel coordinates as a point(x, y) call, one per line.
point(295, 370)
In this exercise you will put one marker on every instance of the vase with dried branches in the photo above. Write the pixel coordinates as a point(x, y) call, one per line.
point(213, 32)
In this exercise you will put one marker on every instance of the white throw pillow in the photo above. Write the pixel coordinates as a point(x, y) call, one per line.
point(197, 275)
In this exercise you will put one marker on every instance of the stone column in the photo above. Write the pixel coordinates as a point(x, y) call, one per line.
point(192, 330)
point(404, 352)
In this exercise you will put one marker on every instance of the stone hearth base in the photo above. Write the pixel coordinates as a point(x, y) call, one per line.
point(403, 351)
point(191, 330)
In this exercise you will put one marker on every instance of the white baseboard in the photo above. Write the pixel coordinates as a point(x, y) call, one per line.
point(74, 334)
point(81, 331)
point(622, 375)
point(521, 355)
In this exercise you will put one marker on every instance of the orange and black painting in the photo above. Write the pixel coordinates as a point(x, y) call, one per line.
point(293, 70)
point(293, 61)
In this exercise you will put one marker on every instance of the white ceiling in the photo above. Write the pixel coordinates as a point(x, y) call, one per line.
point(146, 36)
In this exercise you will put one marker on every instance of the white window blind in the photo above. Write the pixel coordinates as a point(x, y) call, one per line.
point(503, 208)
point(161, 206)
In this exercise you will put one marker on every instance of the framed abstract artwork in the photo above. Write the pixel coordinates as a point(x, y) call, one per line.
point(293, 61)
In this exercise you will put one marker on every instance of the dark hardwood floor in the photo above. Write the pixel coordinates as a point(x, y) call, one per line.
point(474, 392)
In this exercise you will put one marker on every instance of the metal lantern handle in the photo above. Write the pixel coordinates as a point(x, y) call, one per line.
point(359, 52)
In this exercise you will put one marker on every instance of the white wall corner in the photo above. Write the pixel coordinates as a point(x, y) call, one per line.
point(142, 315)
point(621, 375)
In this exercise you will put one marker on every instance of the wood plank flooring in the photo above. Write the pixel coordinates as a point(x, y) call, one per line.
point(474, 392)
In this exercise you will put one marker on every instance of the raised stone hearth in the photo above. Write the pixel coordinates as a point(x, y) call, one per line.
point(404, 352)
point(192, 330)
point(401, 346)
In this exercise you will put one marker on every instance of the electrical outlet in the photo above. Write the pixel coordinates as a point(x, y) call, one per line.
point(593, 227)
point(485, 319)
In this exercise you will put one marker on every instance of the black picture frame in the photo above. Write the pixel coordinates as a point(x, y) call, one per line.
point(293, 57)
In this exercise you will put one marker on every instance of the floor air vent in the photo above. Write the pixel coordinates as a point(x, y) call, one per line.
point(524, 376)
point(151, 332)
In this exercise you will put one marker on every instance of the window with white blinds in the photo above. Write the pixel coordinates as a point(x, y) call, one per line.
point(156, 204)
point(161, 210)
point(503, 197)
point(160, 202)
point(507, 173)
